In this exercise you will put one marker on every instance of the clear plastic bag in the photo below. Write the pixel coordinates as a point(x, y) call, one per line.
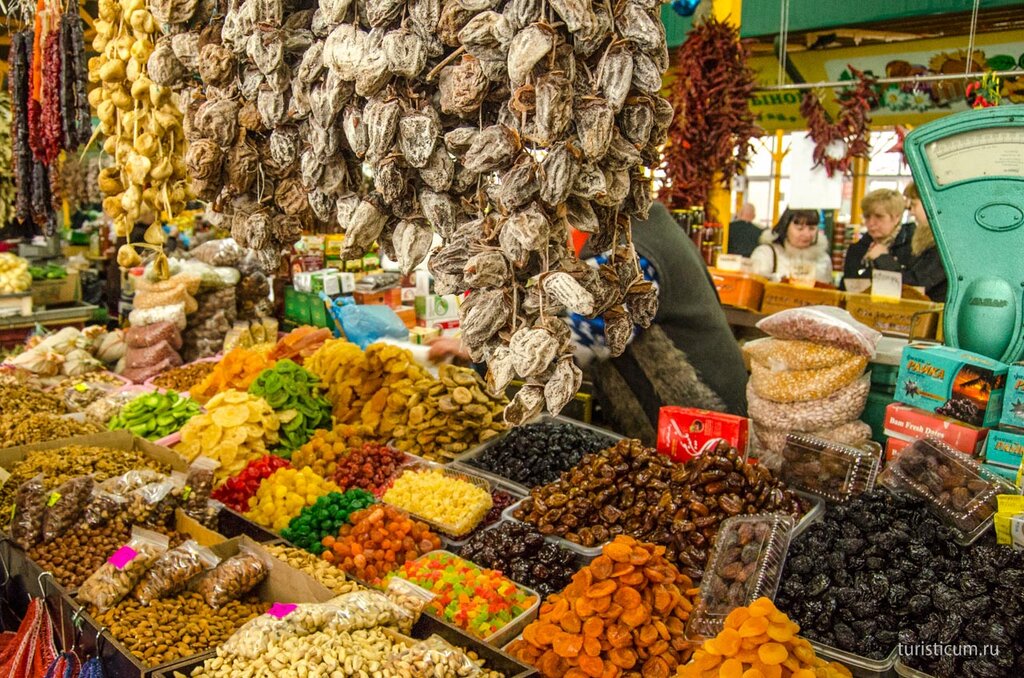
point(211, 277)
point(102, 507)
point(140, 375)
point(64, 506)
point(811, 415)
point(794, 354)
point(366, 609)
point(128, 482)
point(152, 334)
point(116, 578)
point(140, 358)
point(233, 578)
point(408, 596)
point(823, 325)
point(174, 313)
point(154, 504)
point(29, 509)
point(432, 657)
point(80, 396)
point(255, 636)
point(176, 295)
point(172, 572)
point(198, 484)
point(224, 252)
point(189, 283)
point(787, 386)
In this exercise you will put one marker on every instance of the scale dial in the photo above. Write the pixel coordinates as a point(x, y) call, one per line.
point(992, 152)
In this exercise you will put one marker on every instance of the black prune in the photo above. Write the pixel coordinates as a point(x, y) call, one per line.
point(536, 454)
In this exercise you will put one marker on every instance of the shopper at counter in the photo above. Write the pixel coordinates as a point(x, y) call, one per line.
point(744, 234)
point(886, 246)
point(793, 249)
point(925, 268)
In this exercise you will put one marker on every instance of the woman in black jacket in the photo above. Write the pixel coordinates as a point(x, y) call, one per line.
point(925, 268)
point(886, 245)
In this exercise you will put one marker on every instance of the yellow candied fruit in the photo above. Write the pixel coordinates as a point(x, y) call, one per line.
point(284, 494)
point(449, 501)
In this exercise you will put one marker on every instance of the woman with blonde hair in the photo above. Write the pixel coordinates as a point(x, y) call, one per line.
point(925, 268)
point(886, 244)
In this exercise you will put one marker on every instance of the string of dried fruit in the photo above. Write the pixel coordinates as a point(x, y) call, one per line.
point(18, 78)
point(851, 128)
point(710, 139)
point(74, 100)
point(8, 190)
point(143, 128)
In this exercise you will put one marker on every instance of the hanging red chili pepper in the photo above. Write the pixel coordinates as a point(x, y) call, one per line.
point(851, 127)
point(714, 124)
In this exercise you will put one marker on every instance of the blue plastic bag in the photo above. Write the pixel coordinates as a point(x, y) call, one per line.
point(364, 325)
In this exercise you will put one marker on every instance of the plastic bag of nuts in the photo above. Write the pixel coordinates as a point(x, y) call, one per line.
point(115, 578)
point(154, 504)
point(102, 507)
point(255, 636)
point(29, 509)
point(366, 609)
point(432, 657)
point(198, 484)
point(125, 483)
point(408, 596)
point(173, 571)
point(65, 505)
point(233, 578)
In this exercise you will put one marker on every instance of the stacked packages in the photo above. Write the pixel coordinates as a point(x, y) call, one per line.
point(808, 377)
point(154, 338)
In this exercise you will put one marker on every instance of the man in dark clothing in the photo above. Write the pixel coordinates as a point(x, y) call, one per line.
point(744, 234)
point(887, 244)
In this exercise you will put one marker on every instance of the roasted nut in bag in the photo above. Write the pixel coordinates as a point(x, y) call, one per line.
point(233, 578)
point(432, 657)
point(29, 509)
point(64, 506)
point(115, 578)
point(102, 507)
point(198, 484)
point(173, 571)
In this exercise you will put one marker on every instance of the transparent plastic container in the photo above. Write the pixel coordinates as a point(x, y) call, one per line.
point(466, 459)
point(825, 469)
point(813, 515)
point(505, 634)
point(904, 670)
point(860, 667)
point(957, 488)
point(457, 530)
point(745, 564)
point(589, 552)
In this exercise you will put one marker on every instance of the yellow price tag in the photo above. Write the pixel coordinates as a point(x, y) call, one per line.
point(81, 387)
point(54, 498)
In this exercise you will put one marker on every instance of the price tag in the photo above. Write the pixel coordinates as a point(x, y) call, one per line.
point(81, 387)
point(887, 285)
point(186, 493)
point(54, 498)
point(281, 610)
point(122, 557)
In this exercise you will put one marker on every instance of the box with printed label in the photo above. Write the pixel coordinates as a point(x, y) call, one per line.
point(911, 423)
point(894, 445)
point(1013, 398)
point(684, 431)
point(953, 383)
point(423, 335)
point(434, 308)
point(1004, 448)
point(327, 280)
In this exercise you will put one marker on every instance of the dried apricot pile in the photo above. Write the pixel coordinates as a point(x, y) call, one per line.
point(622, 615)
point(235, 429)
point(236, 370)
point(759, 641)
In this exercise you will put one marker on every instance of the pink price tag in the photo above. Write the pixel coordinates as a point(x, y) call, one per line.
point(281, 610)
point(122, 557)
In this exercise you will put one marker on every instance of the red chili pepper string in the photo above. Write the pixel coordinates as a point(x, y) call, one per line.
point(852, 126)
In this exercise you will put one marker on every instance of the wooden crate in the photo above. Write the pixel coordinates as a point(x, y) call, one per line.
point(905, 318)
point(780, 296)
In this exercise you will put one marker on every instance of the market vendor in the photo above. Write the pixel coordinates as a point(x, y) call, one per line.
point(793, 249)
point(925, 268)
point(886, 246)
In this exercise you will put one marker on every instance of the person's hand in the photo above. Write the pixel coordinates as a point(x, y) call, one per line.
point(443, 348)
point(876, 250)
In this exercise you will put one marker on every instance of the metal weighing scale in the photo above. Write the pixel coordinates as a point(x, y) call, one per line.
point(969, 170)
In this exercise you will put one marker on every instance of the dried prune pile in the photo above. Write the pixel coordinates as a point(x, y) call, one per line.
point(538, 453)
point(520, 552)
point(633, 490)
point(882, 570)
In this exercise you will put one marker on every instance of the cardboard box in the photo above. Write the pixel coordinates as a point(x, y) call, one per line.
point(117, 440)
point(317, 311)
point(1009, 474)
point(907, 317)
point(894, 445)
point(53, 292)
point(911, 423)
point(952, 382)
point(423, 335)
point(1013, 398)
point(408, 315)
point(683, 432)
point(780, 296)
point(378, 298)
point(1005, 448)
point(296, 306)
point(437, 308)
point(735, 288)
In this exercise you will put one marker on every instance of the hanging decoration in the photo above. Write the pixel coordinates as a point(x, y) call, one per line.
point(710, 139)
point(837, 143)
point(685, 8)
point(984, 93)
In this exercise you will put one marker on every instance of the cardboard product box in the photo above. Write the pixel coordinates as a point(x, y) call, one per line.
point(683, 432)
point(436, 308)
point(407, 314)
point(1005, 448)
point(447, 328)
point(780, 296)
point(296, 306)
point(1013, 398)
point(317, 311)
point(423, 335)
point(53, 292)
point(894, 445)
point(1009, 474)
point(911, 423)
point(907, 317)
point(327, 280)
point(377, 298)
point(953, 383)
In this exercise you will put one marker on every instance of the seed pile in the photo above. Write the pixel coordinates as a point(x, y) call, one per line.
point(495, 125)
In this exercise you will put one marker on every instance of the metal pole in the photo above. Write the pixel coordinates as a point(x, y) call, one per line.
point(837, 84)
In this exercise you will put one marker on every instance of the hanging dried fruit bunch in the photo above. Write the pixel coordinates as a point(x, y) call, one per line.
point(852, 128)
point(142, 125)
point(710, 139)
point(7, 187)
point(32, 204)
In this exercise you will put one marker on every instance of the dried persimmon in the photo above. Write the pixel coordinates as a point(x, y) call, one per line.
point(628, 598)
point(619, 636)
point(592, 666)
point(601, 567)
point(591, 646)
point(601, 589)
point(593, 627)
point(618, 551)
point(624, 658)
point(570, 622)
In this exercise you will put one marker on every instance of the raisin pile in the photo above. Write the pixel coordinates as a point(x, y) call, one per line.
point(536, 454)
point(882, 571)
point(520, 552)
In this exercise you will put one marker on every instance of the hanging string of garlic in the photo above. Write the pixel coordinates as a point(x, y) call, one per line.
point(143, 128)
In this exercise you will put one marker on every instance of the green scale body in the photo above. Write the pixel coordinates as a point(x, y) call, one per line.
point(969, 170)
